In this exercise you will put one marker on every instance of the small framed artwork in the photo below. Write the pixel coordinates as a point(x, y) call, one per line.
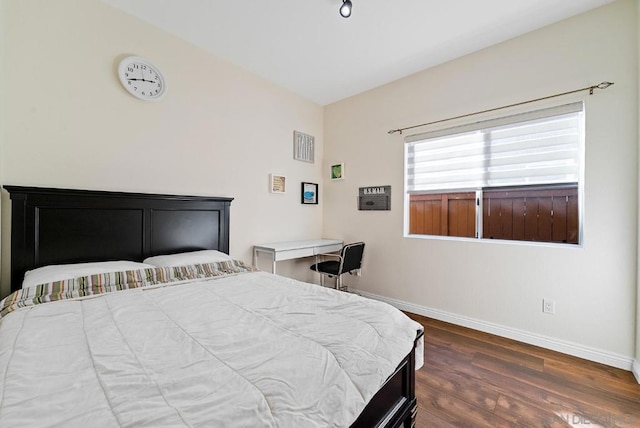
point(375, 198)
point(337, 171)
point(277, 183)
point(303, 147)
point(309, 194)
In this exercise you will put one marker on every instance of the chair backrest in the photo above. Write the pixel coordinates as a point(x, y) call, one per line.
point(351, 257)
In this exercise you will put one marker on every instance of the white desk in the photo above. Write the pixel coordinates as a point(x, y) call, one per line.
point(296, 249)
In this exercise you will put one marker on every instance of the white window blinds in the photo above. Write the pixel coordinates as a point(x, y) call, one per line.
point(538, 147)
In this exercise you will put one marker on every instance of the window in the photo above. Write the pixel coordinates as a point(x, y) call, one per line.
point(515, 178)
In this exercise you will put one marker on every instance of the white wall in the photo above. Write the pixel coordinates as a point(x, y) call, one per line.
point(219, 131)
point(499, 286)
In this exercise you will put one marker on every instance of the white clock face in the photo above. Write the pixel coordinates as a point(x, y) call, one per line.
point(141, 78)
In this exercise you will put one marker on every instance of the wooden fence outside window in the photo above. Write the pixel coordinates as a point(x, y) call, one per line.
point(525, 214)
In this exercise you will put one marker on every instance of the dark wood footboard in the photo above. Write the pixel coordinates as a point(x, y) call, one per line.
point(395, 404)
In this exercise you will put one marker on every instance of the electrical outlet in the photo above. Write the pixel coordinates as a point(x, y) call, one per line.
point(548, 306)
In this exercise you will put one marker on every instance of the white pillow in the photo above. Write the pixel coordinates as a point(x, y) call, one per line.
point(53, 273)
point(190, 258)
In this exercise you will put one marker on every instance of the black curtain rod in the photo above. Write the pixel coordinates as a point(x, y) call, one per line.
point(603, 85)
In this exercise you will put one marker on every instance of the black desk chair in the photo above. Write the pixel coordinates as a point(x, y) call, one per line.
point(349, 260)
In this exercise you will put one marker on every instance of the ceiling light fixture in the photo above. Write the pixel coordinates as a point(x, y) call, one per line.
point(345, 9)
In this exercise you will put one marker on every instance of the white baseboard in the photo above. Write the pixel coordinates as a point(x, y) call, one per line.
point(570, 348)
point(636, 370)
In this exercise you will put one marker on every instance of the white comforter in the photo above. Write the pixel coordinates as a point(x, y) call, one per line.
point(249, 350)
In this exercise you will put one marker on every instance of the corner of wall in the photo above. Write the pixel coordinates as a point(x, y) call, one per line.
point(636, 362)
point(2, 118)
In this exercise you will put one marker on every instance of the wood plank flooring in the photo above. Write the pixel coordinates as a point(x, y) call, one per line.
point(475, 379)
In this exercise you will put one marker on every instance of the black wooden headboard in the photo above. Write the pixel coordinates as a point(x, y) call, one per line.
point(57, 226)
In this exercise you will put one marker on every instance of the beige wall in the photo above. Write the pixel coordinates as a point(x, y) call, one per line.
point(636, 365)
point(3, 26)
point(219, 131)
point(499, 286)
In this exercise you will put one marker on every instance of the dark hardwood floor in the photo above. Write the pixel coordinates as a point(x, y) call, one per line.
point(475, 379)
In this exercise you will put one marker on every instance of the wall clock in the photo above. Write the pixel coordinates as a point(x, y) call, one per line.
point(142, 79)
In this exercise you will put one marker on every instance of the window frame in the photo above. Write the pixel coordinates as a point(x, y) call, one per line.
point(479, 191)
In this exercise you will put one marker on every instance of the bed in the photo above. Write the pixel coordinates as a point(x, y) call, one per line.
point(208, 343)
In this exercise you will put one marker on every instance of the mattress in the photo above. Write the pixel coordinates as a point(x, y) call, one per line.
point(238, 348)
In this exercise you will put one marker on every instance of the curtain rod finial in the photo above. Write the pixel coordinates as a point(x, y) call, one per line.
point(603, 85)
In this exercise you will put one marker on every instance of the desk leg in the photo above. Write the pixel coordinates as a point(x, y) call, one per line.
point(321, 275)
point(273, 259)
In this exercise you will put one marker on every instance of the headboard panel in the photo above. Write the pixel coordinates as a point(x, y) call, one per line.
point(56, 226)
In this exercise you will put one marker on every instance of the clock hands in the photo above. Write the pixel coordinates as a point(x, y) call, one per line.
point(142, 80)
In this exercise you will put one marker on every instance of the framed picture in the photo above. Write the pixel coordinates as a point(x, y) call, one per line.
point(278, 183)
point(337, 171)
point(303, 147)
point(309, 194)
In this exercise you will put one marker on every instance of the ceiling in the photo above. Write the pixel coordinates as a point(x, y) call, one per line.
point(308, 48)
